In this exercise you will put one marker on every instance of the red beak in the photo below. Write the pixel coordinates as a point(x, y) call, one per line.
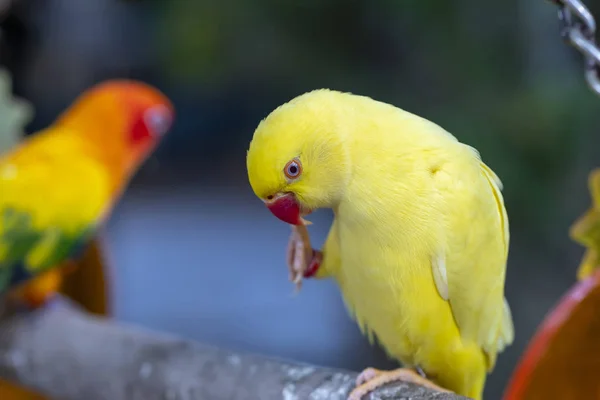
point(286, 208)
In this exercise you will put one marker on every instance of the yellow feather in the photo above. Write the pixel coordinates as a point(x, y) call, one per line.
point(412, 206)
point(57, 186)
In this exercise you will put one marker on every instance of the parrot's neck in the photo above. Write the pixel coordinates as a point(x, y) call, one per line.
point(109, 153)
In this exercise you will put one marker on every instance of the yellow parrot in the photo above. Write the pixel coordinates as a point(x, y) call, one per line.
point(420, 236)
point(58, 186)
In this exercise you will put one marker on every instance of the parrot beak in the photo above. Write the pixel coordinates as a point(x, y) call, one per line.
point(286, 208)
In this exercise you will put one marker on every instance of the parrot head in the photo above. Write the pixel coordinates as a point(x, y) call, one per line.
point(297, 160)
point(123, 119)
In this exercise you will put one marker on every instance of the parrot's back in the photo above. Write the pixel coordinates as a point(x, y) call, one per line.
point(423, 238)
point(52, 194)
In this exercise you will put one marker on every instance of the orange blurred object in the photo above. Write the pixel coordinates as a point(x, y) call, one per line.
point(562, 360)
point(88, 285)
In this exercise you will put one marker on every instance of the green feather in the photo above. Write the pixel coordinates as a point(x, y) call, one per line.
point(21, 238)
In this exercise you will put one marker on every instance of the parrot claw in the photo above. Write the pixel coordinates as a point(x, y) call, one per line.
point(371, 378)
point(296, 257)
point(18, 306)
point(53, 302)
point(302, 260)
point(297, 281)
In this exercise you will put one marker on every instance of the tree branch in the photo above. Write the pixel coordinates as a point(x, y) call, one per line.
point(67, 354)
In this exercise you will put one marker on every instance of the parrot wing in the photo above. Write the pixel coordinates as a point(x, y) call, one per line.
point(49, 208)
point(470, 272)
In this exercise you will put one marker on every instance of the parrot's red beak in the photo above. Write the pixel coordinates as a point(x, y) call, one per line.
point(286, 208)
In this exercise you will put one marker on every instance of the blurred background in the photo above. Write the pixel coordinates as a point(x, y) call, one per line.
point(193, 252)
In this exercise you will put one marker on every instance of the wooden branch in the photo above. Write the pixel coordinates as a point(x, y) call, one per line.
point(67, 354)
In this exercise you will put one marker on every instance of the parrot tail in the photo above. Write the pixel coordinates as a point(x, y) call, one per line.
point(507, 330)
point(504, 338)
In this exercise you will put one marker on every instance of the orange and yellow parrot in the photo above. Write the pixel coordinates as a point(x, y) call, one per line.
point(60, 184)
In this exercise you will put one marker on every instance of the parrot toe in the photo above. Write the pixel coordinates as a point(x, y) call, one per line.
point(30, 303)
point(52, 301)
point(15, 308)
point(371, 378)
point(300, 256)
point(367, 375)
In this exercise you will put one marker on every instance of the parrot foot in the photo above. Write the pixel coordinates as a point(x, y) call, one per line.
point(30, 304)
point(39, 292)
point(302, 260)
point(371, 378)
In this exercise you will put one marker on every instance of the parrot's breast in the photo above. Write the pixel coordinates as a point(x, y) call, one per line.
point(391, 294)
point(395, 231)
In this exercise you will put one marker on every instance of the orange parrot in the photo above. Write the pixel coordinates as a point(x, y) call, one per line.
point(59, 185)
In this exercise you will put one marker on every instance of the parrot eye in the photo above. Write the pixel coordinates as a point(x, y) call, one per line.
point(292, 169)
point(158, 120)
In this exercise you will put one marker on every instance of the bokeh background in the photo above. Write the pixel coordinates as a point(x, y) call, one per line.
point(194, 253)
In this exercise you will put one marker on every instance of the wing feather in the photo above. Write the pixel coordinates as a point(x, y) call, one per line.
point(476, 260)
point(50, 204)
